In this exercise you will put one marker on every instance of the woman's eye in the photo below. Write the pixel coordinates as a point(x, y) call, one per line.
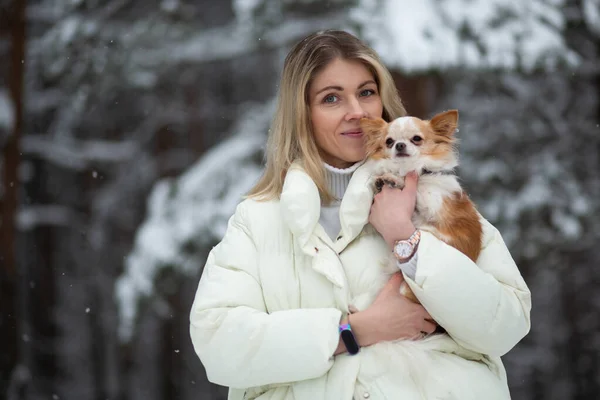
point(367, 92)
point(330, 98)
point(417, 139)
point(389, 142)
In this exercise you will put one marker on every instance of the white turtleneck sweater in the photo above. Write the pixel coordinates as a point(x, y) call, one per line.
point(338, 180)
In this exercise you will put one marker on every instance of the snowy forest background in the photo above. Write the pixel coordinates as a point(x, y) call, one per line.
point(129, 130)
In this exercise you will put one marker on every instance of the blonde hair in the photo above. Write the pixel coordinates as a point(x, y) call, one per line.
point(290, 136)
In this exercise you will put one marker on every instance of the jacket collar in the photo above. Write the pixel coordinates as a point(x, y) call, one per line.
point(301, 207)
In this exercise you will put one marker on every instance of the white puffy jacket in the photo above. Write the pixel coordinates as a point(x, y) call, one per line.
point(265, 318)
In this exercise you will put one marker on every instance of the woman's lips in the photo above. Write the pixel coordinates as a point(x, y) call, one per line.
point(353, 134)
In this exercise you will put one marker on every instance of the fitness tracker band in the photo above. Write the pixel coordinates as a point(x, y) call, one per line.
point(349, 339)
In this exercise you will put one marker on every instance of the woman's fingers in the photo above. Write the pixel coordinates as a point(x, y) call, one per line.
point(393, 284)
point(428, 327)
point(410, 183)
point(396, 280)
point(427, 316)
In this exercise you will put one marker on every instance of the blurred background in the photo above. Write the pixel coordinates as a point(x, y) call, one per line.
point(130, 129)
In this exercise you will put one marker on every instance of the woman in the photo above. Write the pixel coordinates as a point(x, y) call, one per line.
point(271, 318)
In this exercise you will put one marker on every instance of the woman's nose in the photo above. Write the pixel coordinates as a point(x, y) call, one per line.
point(355, 110)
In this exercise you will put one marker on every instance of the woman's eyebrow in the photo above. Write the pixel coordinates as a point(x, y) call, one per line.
point(330, 88)
point(366, 83)
point(341, 89)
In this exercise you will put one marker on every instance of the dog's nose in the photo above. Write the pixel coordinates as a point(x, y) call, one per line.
point(400, 147)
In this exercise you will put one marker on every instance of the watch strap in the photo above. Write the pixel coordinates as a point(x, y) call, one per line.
point(415, 237)
point(348, 338)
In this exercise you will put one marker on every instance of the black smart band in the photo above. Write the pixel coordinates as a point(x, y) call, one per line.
point(349, 339)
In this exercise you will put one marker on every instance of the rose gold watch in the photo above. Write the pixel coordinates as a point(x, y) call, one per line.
point(405, 249)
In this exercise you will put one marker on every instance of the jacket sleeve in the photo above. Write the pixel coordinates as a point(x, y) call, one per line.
point(240, 344)
point(485, 307)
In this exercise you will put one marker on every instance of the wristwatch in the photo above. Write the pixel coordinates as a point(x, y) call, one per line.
point(405, 249)
point(349, 339)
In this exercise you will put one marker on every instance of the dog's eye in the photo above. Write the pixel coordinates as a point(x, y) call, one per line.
point(416, 139)
point(389, 142)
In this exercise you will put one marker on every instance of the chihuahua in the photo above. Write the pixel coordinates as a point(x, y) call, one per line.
point(429, 148)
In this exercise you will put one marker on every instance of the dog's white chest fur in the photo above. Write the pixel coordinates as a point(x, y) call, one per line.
point(431, 191)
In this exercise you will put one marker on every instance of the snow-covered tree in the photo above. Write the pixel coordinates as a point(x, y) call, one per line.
point(435, 34)
point(529, 134)
point(145, 125)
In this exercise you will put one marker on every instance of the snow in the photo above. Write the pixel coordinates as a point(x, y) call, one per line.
point(68, 29)
point(78, 154)
point(409, 35)
point(244, 9)
point(435, 34)
point(44, 215)
point(188, 214)
point(230, 41)
point(591, 10)
point(537, 192)
point(191, 210)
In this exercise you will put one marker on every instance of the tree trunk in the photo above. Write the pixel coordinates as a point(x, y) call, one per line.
point(8, 270)
point(417, 93)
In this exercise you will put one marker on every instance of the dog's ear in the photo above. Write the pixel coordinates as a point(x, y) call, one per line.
point(374, 132)
point(445, 123)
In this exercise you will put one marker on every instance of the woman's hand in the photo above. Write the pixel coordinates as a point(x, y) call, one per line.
point(392, 210)
point(391, 316)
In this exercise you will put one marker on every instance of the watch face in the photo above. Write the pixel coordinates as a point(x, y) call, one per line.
point(403, 249)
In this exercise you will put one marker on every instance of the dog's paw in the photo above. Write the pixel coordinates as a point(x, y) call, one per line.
point(393, 180)
point(379, 182)
point(388, 179)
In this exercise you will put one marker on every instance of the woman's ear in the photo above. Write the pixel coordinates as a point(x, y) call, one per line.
point(374, 133)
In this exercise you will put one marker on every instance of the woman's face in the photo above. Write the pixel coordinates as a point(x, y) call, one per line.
point(339, 96)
